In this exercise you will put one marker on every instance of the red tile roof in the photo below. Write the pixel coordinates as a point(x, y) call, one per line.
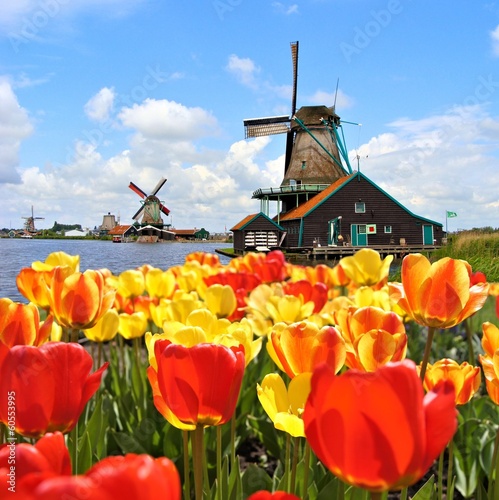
point(117, 230)
point(240, 224)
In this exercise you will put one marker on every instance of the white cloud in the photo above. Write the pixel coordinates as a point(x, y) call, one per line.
point(170, 120)
point(285, 9)
point(343, 101)
point(494, 36)
point(99, 106)
point(444, 162)
point(15, 126)
point(243, 69)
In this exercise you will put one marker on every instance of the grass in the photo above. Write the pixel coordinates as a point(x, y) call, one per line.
point(479, 247)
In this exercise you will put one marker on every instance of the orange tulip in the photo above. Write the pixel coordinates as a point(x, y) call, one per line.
point(490, 338)
point(49, 386)
point(35, 286)
point(80, 299)
point(269, 267)
point(301, 347)
point(466, 378)
point(20, 324)
point(316, 293)
point(438, 295)
point(378, 431)
point(199, 385)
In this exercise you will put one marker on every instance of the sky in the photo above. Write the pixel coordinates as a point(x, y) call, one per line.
point(95, 94)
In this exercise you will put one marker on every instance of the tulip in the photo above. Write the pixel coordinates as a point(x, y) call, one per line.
point(20, 324)
point(79, 300)
point(200, 384)
point(365, 267)
point(438, 295)
point(204, 258)
point(491, 374)
point(378, 431)
point(466, 378)
point(131, 283)
point(58, 259)
point(51, 385)
point(269, 267)
point(285, 406)
point(490, 338)
point(317, 293)
point(220, 300)
point(35, 286)
point(105, 329)
point(48, 456)
point(160, 283)
point(301, 347)
point(277, 495)
point(132, 326)
point(140, 477)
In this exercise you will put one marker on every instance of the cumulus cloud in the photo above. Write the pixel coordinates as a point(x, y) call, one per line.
point(99, 106)
point(343, 101)
point(243, 69)
point(443, 162)
point(15, 126)
point(168, 120)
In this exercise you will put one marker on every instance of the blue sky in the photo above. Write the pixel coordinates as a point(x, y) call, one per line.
point(97, 93)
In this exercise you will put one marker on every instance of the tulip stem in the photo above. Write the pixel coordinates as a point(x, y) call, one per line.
point(427, 352)
point(294, 464)
point(306, 464)
point(287, 459)
point(233, 438)
point(493, 481)
point(403, 494)
point(187, 470)
point(2, 433)
point(450, 470)
point(469, 337)
point(440, 474)
point(219, 462)
point(198, 461)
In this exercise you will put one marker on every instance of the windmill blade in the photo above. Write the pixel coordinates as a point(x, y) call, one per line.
point(165, 210)
point(291, 136)
point(159, 185)
point(259, 127)
point(139, 214)
point(294, 57)
point(137, 190)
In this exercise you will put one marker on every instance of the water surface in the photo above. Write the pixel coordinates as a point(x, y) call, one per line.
point(94, 254)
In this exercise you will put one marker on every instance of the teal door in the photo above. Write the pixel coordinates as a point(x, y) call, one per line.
point(359, 235)
point(427, 234)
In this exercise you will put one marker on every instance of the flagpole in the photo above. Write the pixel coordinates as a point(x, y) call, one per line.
point(446, 231)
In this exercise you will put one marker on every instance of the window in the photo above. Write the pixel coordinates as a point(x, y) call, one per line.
point(388, 229)
point(360, 207)
point(362, 229)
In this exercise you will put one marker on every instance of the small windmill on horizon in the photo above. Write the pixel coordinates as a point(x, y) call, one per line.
point(29, 225)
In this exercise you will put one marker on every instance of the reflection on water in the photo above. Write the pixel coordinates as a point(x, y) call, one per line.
point(94, 254)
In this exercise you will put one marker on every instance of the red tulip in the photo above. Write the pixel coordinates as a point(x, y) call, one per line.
point(317, 293)
point(48, 457)
point(49, 387)
point(140, 477)
point(199, 384)
point(378, 431)
point(277, 495)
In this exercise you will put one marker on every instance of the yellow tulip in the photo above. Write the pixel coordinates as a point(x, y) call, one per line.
point(285, 406)
point(159, 283)
point(131, 283)
point(365, 267)
point(132, 326)
point(58, 259)
point(220, 300)
point(105, 329)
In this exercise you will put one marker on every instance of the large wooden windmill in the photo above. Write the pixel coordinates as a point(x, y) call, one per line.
point(29, 225)
point(151, 206)
point(315, 152)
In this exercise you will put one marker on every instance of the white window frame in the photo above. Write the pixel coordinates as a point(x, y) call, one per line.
point(360, 207)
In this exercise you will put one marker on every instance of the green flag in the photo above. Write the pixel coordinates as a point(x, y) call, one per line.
point(451, 214)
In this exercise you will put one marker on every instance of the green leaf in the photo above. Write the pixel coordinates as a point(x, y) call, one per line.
point(254, 479)
point(84, 454)
point(426, 492)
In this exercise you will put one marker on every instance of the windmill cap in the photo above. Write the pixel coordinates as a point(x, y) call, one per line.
point(312, 115)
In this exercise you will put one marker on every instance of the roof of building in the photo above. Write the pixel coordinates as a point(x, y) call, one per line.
point(250, 218)
point(117, 230)
point(187, 232)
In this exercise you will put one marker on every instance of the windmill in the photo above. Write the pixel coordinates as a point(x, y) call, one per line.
point(29, 225)
point(315, 152)
point(152, 208)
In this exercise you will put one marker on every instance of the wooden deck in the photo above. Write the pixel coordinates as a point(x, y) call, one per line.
point(336, 253)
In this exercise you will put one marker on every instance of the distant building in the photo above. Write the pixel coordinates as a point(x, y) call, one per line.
point(122, 233)
point(75, 233)
point(108, 223)
point(191, 234)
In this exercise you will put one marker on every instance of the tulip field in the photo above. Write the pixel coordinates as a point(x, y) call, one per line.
point(258, 379)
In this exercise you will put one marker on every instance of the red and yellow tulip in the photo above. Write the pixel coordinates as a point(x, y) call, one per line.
point(378, 431)
point(438, 295)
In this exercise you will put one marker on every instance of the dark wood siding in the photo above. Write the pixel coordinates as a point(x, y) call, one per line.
point(259, 223)
point(380, 210)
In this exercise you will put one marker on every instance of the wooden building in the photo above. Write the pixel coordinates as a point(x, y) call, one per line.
point(322, 201)
point(191, 234)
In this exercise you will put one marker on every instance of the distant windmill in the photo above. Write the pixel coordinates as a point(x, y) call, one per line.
point(152, 208)
point(315, 151)
point(29, 225)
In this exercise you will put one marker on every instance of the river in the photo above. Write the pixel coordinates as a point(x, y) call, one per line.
point(94, 254)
